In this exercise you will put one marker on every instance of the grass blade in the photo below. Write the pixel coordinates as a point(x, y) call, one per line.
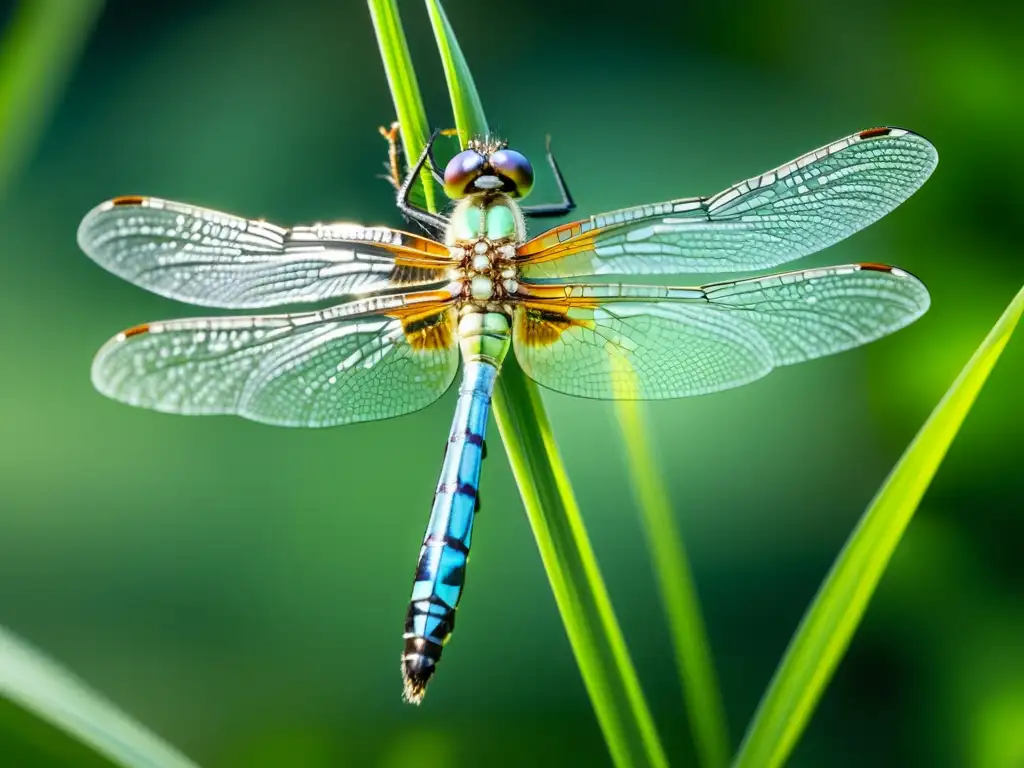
point(678, 592)
point(466, 106)
point(571, 566)
point(405, 91)
point(40, 46)
point(834, 614)
point(569, 560)
point(51, 694)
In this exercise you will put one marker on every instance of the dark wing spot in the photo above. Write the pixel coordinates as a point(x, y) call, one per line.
point(135, 331)
point(128, 200)
point(871, 133)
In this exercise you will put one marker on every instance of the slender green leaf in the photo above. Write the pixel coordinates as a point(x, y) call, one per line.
point(571, 567)
point(49, 693)
point(466, 106)
point(405, 91)
point(833, 616)
point(39, 48)
point(678, 592)
point(568, 558)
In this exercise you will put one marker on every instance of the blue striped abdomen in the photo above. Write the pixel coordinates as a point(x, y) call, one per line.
point(441, 571)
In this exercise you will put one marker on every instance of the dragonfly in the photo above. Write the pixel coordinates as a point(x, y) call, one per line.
point(390, 314)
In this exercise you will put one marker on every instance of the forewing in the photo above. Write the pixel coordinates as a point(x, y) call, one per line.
point(218, 260)
point(347, 364)
point(791, 211)
point(642, 342)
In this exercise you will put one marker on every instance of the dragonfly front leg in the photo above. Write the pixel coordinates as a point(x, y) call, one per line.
point(435, 222)
point(552, 209)
point(393, 136)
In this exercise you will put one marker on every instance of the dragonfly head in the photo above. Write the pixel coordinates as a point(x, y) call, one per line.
point(487, 165)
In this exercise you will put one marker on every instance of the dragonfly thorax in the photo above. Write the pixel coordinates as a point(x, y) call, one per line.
point(482, 237)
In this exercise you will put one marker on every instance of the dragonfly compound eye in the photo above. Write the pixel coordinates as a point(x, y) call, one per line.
point(514, 170)
point(461, 171)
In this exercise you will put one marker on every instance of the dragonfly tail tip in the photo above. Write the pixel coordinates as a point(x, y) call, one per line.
point(417, 669)
point(414, 686)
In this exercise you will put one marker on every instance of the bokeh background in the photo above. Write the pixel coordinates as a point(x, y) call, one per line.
point(240, 589)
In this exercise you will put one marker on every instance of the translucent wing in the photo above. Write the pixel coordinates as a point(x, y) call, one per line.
point(370, 359)
point(794, 210)
point(643, 342)
point(219, 260)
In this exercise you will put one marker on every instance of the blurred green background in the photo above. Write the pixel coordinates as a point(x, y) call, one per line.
point(240, 589)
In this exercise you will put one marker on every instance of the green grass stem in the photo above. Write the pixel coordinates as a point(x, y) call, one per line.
point(678, 591)
point(105, 736)
point(571, 566)
point(466, 106)
point(405, 90)
point(39, 48)
point(829, 624)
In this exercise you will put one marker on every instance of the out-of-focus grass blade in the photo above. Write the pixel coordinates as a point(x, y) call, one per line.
point(678, 592)
point(44, 711)
point(834, 614)
point(466, 106)
point(568, 558)
point(405, 91)
point(49, 693)
point(571, 566)
point(37, 52)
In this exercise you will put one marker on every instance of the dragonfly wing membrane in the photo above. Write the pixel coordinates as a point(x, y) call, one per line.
point(636, 350)
point(319, 369)
point(216, 259)
point(776, 217)
point(816, 312)
point(642, 342)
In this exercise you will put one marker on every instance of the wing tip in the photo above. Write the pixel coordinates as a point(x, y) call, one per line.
point(895, 132)
point(924, 298)
point(99, 372)
point(85, 241)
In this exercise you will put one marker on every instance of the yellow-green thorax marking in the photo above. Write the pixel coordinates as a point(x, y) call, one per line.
point(484, 232)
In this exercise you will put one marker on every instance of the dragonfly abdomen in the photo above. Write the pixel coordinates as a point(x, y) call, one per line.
point(441, 570)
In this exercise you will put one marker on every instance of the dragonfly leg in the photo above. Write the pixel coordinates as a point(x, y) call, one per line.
point(393, 138)
point(438, 176)
point(435, 222)
point(552, 209)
